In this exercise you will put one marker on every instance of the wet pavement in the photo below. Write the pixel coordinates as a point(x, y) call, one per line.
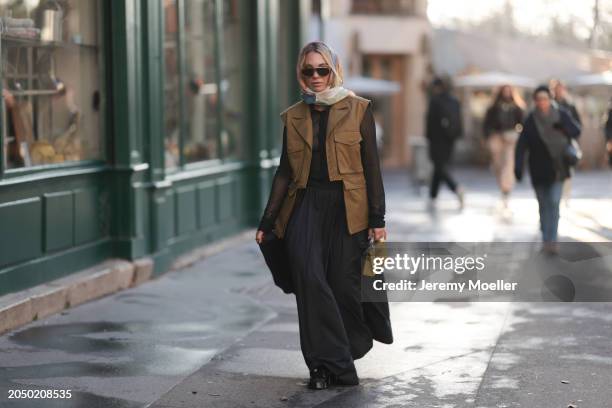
point(218, 334)
point(127, 349)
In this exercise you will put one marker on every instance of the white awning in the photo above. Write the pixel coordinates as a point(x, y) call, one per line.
point(601, 79)
point(493, 79)
point(371, 86)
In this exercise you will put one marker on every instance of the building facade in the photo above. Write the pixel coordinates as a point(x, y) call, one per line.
point(137, 128)
point(390, 40)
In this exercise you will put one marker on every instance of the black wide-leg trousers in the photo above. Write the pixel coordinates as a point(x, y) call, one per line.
point(326, 271)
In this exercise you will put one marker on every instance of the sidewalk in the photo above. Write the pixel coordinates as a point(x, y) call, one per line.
point(128, 349)
point(444, 354)
point(219, 334)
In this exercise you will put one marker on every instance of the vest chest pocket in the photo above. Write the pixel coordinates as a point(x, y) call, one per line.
point(348, 151)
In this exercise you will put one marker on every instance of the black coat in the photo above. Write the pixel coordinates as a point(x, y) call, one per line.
point(571, 109)
point(443, 126)
point(542, 169)
point(493, 123)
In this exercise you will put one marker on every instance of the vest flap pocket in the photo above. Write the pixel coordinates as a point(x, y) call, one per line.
point(352, 183)
point(296, 146)
point(348, 137)
point(348, 152)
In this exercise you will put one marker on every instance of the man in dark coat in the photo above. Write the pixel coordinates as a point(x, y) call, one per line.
point(563, 102)
point(443, 127)
point(547, 131)
point(561, 97)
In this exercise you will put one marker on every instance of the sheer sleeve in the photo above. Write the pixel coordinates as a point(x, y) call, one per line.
point(371, 169)
point(280, 185)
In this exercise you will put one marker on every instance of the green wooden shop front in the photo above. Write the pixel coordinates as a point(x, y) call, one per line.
point(137, 128)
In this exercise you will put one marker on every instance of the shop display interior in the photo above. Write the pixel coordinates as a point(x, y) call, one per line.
point(51, 82)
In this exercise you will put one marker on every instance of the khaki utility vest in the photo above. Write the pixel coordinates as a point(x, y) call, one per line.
point(343, 158)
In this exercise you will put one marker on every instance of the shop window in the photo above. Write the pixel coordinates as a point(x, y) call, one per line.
point(231, 81)
point(51, 82)
point(172, 114)
point(203, 83)
point(200, 140)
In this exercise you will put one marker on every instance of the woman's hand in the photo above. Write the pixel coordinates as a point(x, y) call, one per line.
point(378, 234)
point(9, 99)
point(259, 236)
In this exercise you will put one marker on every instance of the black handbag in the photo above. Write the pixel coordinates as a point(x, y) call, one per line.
point(572, 153)
point(275, 255)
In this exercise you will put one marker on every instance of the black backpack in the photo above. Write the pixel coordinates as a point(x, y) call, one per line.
point(450, 117)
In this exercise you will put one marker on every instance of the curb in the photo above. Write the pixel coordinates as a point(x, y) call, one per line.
point(20, 308)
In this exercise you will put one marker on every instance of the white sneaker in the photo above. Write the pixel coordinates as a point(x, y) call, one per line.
point(431, 205)
point(461, 197)
point(504, 200)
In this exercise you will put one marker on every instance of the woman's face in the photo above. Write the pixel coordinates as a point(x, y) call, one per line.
point(542, 101)
point(316, 82)
point(506, 93)
point(560, 91)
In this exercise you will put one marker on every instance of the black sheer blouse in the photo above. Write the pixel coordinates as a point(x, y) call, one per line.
point(319, 174)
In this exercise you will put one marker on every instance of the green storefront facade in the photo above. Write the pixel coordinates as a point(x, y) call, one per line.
point(168, 123)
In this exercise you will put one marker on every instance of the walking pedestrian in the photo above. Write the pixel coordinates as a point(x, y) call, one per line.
point(502, 125)
point(443, 127)
point(546, 135)
point(327, 201)
point(563, 100)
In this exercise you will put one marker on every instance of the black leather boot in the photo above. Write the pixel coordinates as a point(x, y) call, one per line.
point(319, 379)
point(344, 379)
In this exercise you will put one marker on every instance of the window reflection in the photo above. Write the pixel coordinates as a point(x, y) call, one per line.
point(231, 83)
point(193, 83)
point(202, 95)
point(172, 120)
point(50, 82)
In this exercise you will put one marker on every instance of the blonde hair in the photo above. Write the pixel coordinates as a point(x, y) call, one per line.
point(516, 96)
point(330, 58)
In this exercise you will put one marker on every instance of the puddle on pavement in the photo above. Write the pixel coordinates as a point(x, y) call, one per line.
point(145, 348)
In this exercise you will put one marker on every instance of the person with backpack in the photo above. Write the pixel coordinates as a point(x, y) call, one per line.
point(546, 136)
point(443, 127)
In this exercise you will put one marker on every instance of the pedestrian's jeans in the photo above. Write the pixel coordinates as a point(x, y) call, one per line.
point(549, 197)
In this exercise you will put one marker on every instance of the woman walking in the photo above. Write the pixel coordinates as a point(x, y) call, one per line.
point(502, 125)
point(327, 201)
point(546, 135)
